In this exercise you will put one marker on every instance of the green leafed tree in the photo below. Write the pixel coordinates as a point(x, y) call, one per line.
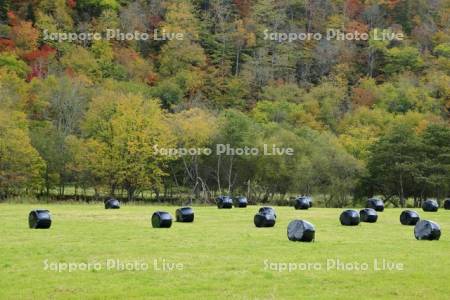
point(95, 7)
point(400, 59)
point(12, 63)
point(396, 163)
point(436, 140)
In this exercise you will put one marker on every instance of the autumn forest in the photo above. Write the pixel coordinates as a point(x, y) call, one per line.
point(82, 111)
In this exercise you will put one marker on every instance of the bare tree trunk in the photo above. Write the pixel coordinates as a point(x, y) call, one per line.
point(96, 195)
point(371, 58)
point(47, 182)
point(174, 180)
point(218, 174)
point(236, 72)
point(229, 175)
point(204, 190)
point(402, 195)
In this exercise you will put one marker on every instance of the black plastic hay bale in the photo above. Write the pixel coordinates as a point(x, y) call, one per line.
point(112, 203)
point(409, 217)
point(161, 219)
point(349, 217)
point(241, 202)
point(302, 203)
point(376, 204)
point(224, 202)
point(264, 220)
point(301, 231)
point(185, 214)
point(447, 204)
point(368, 215)
point(430, 205)
point(268, 210)
point(39, 219)
point(427, 230)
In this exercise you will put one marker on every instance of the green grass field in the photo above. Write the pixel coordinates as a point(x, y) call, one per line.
point(221, 256)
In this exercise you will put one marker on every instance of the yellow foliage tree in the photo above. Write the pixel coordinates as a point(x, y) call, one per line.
point(121, 132)
point(21, 166)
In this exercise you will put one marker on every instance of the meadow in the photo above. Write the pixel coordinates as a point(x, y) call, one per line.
point(222, 255)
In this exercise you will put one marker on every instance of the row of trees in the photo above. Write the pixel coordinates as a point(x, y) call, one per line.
point(111, 143)
point(112, 147)
point(364, 118)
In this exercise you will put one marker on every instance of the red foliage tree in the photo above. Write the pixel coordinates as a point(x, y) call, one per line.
point(355, 26)
point(353, 8)
point(243, 6)
point(6, 44)
point(392, 3)
point(72, 3)
point(38, 60)
point(362, 97)
point(152, 79)
point(44, 52)
point(12, 18)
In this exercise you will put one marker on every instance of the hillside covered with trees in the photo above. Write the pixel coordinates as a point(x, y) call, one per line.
point(364, 117)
